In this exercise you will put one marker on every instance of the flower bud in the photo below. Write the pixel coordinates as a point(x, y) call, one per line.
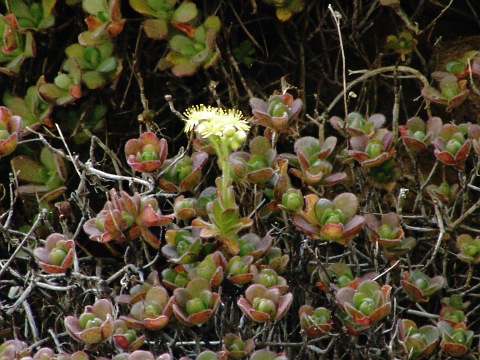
point(57, 256)
point(292, 200)
point(194, 306)
point(453, 146)
point(374, 148)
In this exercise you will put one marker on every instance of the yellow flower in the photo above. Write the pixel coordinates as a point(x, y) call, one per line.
point(208, 120)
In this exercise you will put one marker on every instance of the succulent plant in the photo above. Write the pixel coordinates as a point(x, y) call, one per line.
point(355, 124)
point(66, 87)
point(256, 166)
point(418, 135)
point(417, 343)
point(330, 220)
point(403, 44)
point(263, 305)
point(33, 15)
point(444, 192)
point(104, 21)
point(277, 112)
point(453, 310)
point(139, 291)
point(147, 153)
point(57, 254)
point(240, 270)
point(10, 131)
point(94, 325)
point(153, 312)
point(183, 174)
point(140, 355)
point(270, 279)
point(185, 208)
point(265, 354)
point(276, 260)
point(286, 8)
point(367, 304)
point(125, 337)
point(254, 245)
point(212, 269)
point(474, 135)
point(387, 231)
point(15, 46)
point(451, 146)
point(126, 217)
point(315, 322)
point(451, 93)
point(183, 246)
point(234, 347)
point(456, 340)
point(175, 278)
point(188, 53)
point(33, 109)
point(196, 303)
point(45, 177)
point(163, 14)
point(314, 166)
point(372, 151)
point(13, 349)
point(469, 248)
point(419, 286)
point(337, 275)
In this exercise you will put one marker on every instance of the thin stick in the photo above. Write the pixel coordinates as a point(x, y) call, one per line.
point(336, 18)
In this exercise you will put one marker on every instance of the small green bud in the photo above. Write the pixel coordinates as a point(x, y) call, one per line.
point(459, 336)
point(292, 200)
point(367, 306)
point(57, 256)
point(151, 311)
point(358, 298)
point(385, 232)
point(374, 148)
point(4, 134)
point(63, 81)
point(194, 306)
point(237, 345)
point(85, 318)
point(266, 306)
point(419, 135)
point(453, 146)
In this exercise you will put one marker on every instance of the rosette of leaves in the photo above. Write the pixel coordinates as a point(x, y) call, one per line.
point(367, 304)
point(256, 166)
point(104, 21)
point(444, 192)
point(32, 15)
point(420, 286)
point(417, 343)
point(153, 312)
point(314, 167)
point(451, 91)
point(270, 279)
point(276, 113)
point(315, 322)
point(125, 337)
point(56, 256)
point(212, 269)
point(95, 325)
point(292, 201)
point(407, 243)
point(66, 86)
point(225, 223)
point(10, 131)
point(456, 340)
point(451, 146)
point(15, 46)
point(264, 305)
point(162, 14)
point(418, 135)
point(469, 248)
point(336, 275)
point(387, 231)
point(126, 217)
point(453, 310)
point(183, 246)
point(286, 8)
point(147, 153)
point(265, 354)
point(355, 124)
point(77, 355)
point(14, 349)
point(374, 151)
point(474, 135)
point(403, 44)
point(188, 53)
point(254, 245)
point(276, 260)
point(196, 303)
point(235, 348)
point(244, 53)
point(240, 269)
point(180, 175)
point(184, 208)
point(97, 63)
point(330, 220)
point(45, 177)
point(175, 278)
point(33, 109)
